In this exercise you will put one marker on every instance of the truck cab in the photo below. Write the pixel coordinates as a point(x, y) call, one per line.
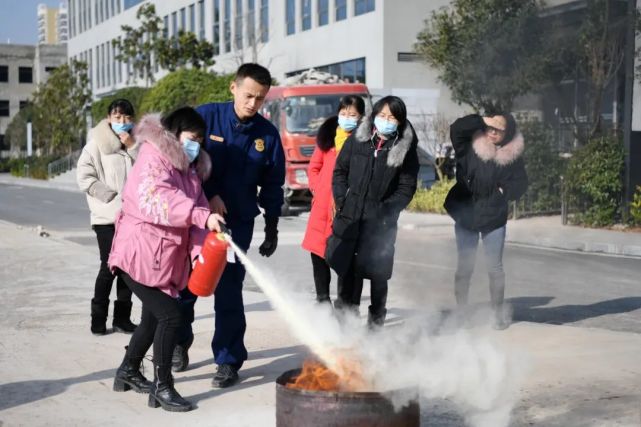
point(298, 112)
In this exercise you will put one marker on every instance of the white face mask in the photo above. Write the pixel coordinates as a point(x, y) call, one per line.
point(347, 123)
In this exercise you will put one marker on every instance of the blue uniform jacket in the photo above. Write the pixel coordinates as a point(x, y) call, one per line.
point(244, 156)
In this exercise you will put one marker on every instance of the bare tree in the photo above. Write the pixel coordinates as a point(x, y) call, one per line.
point(434, 133)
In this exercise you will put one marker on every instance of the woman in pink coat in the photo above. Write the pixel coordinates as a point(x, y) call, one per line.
point(159, 231)
point(331, 137)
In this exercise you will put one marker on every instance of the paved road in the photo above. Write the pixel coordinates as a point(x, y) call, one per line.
point(544, 286)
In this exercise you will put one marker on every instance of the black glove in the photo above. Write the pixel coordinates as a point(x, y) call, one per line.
point(271, 237)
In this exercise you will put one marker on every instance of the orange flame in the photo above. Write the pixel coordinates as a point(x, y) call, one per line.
point(316, 376)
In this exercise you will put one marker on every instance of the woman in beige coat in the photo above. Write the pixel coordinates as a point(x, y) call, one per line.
point(102, 171)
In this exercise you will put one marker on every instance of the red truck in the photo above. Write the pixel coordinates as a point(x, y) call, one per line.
point(298, 112)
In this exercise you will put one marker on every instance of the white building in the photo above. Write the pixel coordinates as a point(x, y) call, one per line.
point(22, 69)
point(369, 41)
point(52, 24)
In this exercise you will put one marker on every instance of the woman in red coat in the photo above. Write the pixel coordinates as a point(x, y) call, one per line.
point(331, 137)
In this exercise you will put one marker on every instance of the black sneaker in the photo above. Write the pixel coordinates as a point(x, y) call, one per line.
point(180, 358)
point(226, 375)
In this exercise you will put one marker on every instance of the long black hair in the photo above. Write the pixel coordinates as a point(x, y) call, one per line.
point(396, 107)
point(352, 101)
point(184, 119)
point(121, 106)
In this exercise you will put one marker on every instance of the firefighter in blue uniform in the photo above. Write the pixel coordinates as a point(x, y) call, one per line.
point(248, 171)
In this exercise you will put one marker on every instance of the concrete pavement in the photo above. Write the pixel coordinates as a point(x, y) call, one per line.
point(54, 372)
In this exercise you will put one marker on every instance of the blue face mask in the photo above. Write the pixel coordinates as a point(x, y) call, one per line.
point(384, 127)
point(121, 127)
point(191, 149)
point(347, 123)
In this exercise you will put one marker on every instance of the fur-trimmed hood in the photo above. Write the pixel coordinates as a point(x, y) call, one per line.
point(150, 130)
point(502, 155)
point(106, 140)
point(400, 146)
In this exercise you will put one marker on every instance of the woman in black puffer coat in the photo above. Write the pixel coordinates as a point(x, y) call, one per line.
point(490, 172)
point(374, 180)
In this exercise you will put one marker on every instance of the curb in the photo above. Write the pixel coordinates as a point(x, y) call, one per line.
point(593, 248)
point(36, 183)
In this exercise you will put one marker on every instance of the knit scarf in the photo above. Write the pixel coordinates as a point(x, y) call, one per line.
point(340, 138)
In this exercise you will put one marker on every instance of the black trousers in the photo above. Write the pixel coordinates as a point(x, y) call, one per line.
point(350, 288)
point(104, 280)
point(160, 320)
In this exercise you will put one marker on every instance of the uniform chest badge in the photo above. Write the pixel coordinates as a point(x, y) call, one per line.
point(216, 138)
point(259, 144)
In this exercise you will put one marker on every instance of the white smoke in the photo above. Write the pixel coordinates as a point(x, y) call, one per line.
point(431, 356)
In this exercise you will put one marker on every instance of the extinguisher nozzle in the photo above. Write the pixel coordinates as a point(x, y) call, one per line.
point(224, 229)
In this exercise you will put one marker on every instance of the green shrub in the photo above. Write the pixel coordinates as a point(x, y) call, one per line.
point(132, 94)
point(186, 87)
point(37, 167)
point(432, 199)
point(635, 207)
point(594, 182)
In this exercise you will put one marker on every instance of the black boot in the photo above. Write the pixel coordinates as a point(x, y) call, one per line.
point(164, 394)
point(128, 377)
point(180, 358)
point(99, 312)
point(376, 320)
point(122, 313)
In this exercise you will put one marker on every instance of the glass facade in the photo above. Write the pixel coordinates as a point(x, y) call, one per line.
point(290, 16)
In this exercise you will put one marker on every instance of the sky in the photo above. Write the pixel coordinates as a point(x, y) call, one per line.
point(19, 20)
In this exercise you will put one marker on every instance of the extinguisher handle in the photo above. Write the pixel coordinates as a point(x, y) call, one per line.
point(224, 229)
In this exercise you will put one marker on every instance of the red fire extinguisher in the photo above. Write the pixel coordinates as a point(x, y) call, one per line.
point(209, 266)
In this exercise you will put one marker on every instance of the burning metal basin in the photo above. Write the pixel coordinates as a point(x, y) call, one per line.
point(310, 408)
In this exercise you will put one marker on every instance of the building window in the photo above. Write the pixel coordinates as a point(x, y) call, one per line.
point(174, 24)
point(323, 12)
point(264, 21)
point(251, 23)
point(216, 35)
point(238, 30)
point(363, 6)
point(4, 73)
point(350, 71)
point(201, 20)
point(341, 10)
point(306, 14)
point(24, 104)
point(25, 74)
point(89, 23)
point(183, 19)
point(4, 108)
point(2, 146)
point(165, 26)
point(192, 18)
point(290, 16)
point(50, 69)
point(132, 3)
point(227, 26)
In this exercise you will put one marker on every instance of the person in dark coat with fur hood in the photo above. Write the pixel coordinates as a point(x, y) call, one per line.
point(490, 172)
point(330, 140)
point(375, 178)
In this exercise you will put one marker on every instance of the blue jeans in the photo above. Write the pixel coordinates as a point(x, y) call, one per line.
point(466, 244)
